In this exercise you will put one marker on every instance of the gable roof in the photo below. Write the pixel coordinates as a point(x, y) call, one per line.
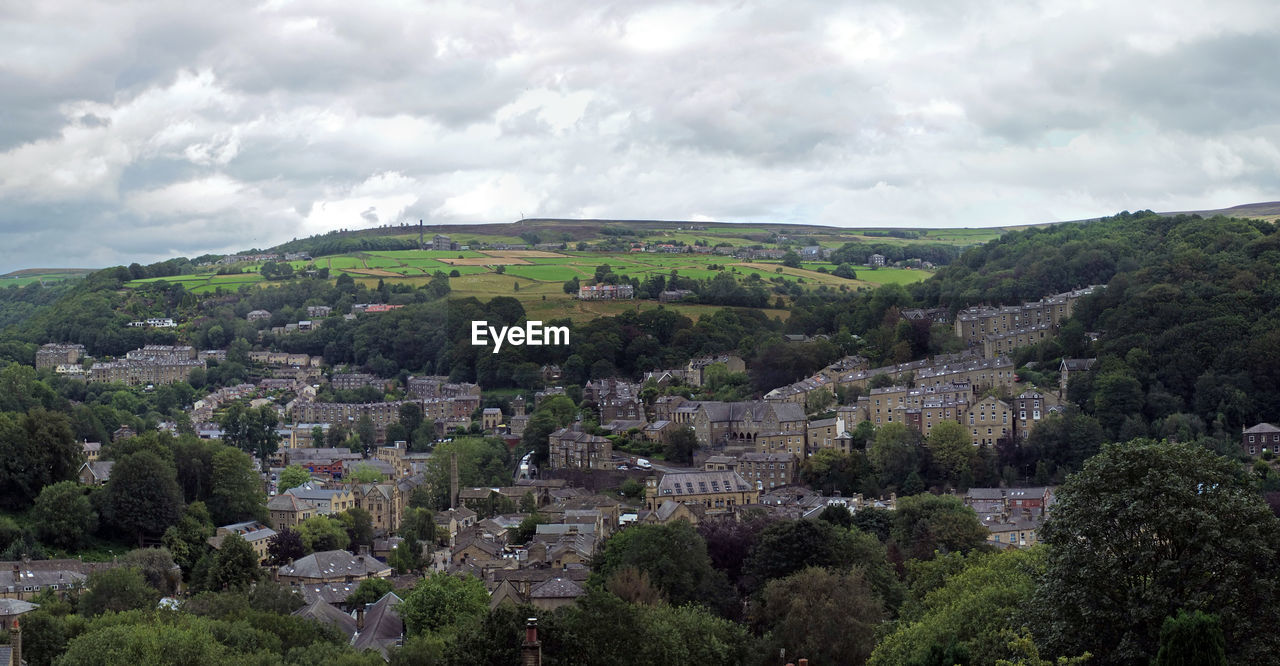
point(383, 627)
point(100, 469)
point(556, 588)
point(322, 612)
point(330, 563)
point(289, 502)
point(1262, 428)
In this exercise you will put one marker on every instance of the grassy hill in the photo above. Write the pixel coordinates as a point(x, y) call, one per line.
point(26, 276)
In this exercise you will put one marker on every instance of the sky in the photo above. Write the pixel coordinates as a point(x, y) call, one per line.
point(138, 131)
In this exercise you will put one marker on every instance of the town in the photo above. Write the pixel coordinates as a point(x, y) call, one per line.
point(306, 451)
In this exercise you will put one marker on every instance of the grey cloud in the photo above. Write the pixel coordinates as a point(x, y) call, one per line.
point(144, 130)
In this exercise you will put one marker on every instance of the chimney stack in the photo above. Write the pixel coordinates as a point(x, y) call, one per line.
point(15, 639)
point(360, 617)
point(17, 572)
point(531, 649)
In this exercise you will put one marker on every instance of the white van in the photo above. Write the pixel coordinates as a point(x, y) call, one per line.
point(643, 464)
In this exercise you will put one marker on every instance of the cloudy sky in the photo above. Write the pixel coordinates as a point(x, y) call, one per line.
point(135, 131)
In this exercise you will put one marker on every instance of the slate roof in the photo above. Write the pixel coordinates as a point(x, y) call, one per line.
point(330, 563)
point(556, 588)
point(288, 502)
point(329, 593)
point(1262, 428)
point(16, 607)
point(701, 483)
point(324, 613)
point(383, 627)
point(101, 469)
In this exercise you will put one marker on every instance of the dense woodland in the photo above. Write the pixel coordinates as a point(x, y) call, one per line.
point(1147, 454)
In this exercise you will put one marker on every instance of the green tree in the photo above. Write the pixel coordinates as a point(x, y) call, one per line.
point(967, 614)
point(292, 477)
point(36, 449)
point(142, 497)
point(119, 589)
point(791, 259)
point(1191, 639)
point(893, 454)
point(828, 617)
point(681, 445)
point(187, 541)
point(443, 602)
point(366, 473)
point(674, 556)
point(951, 449)
point(1184, 530)
point(411, 416)
point(370, 590)
point(63, 516)
point(234, 566)
point(252, 430)
point(358, 524)
point(236, 493)
point(925, 524)
point(144, 644)
point(321, 533)
point(407, 555)
point(367, 432)
point(418, 523)
point(156, 566)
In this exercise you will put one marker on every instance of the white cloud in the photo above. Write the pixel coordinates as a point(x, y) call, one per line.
point(215, 127)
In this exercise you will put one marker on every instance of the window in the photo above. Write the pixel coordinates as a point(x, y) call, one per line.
point(1022, 415)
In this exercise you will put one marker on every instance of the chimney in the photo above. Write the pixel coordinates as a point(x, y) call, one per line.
point(360, 618)
point(364, 549)
point(531, 649)
point(15, 639)
point(17, 572)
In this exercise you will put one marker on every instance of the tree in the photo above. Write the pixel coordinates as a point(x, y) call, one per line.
point(681, 445)
point(285, 546)
point(236, 493)
point(235, 565)
point(144, 644)
point(292, 477)
point(951, 450)
point(370, 590)
point(443, 602)
point(63, 516)
point(674, 557)
point(819, 401)
point(1184, 530)
point(1191, 639)
point(366, 473)
point(407, 555)
point(791, 259)
point(968, 613)
point(828, 617)
point(410, 416)
point(157, 568)
point(924, 524)
point(142, 497)
point(786, 547)
point(187, 541)
point(36, 449)
point(119, 589)
point(418, 523)
point(358, 524)
point(365, 429)
point(252, 430)
point(893, 454)
point(321, 533)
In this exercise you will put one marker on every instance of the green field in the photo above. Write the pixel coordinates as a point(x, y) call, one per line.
point(41, 275)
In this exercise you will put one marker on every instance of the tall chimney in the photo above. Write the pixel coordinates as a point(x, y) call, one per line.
point(453, 480)
point(531, 649)
point(15, 638)
point(360, 617)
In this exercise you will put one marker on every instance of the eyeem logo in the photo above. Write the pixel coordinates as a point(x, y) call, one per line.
point(533, 333)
